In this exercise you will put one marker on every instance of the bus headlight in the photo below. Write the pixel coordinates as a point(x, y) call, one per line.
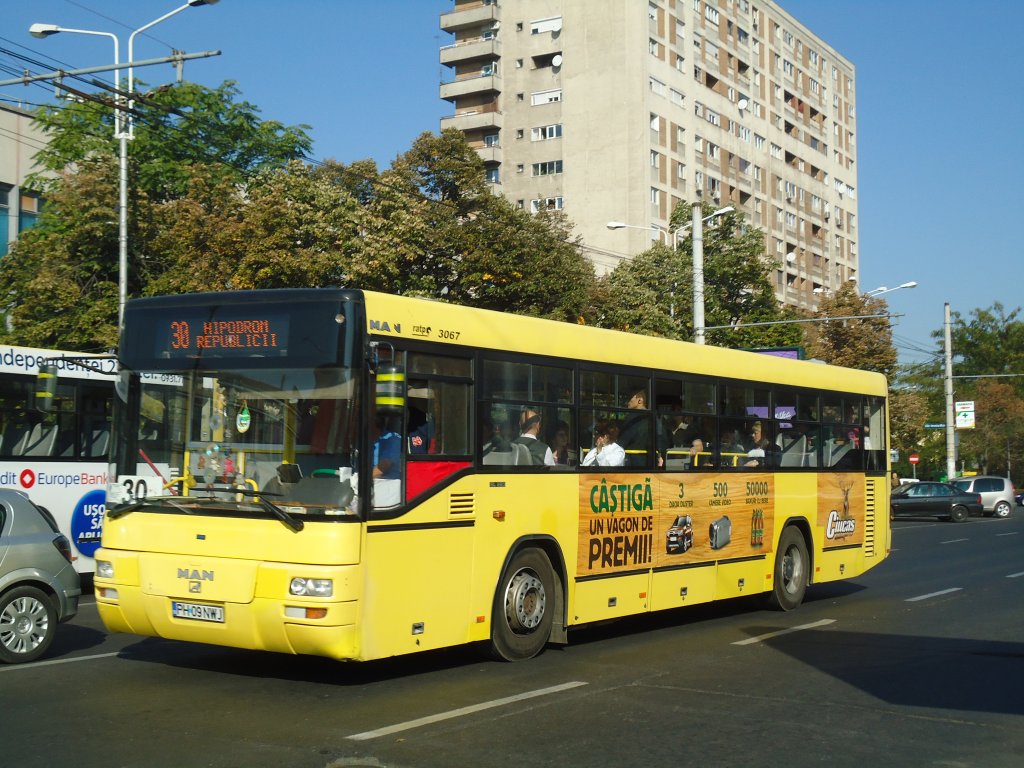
point(311, 587)
point(104, 569)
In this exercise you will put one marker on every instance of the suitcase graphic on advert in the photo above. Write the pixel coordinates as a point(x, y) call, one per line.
point(719, 532)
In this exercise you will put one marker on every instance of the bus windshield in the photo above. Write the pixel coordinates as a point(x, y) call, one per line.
point(284, 434)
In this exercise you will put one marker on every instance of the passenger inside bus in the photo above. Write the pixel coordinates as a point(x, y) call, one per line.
point(530, 427)
point(606, 451)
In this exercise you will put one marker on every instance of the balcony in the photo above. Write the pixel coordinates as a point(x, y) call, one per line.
point(473, 121)
point(489, 155)
point(465, 86)
point(469, 50)
point(453, 21)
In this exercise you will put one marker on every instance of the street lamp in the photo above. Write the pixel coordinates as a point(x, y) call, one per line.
point(882, 289)
point(698, 260)
point(124, 129)
point(623, 225)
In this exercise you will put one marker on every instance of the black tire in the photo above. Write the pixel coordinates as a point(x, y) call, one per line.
point(959, 513)
point(523, 607)
point(28, 622)
point(1002, 509)
point(792, 568)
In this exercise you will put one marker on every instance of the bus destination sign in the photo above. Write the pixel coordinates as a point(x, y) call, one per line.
point(262, 335)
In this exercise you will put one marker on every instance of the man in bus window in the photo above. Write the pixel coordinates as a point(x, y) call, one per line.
point(635, 436)
point(387, 451)
point(529, 427)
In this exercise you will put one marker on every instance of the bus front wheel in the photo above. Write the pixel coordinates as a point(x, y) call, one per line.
point(523, 606)
point(791, 569)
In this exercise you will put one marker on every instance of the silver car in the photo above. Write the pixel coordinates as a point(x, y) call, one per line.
point(39, 587)
point(997, 494)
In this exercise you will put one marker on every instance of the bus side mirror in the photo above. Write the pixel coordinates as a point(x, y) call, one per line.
point(46, 388)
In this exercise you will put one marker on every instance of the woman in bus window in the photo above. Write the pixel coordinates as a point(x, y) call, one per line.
point(606, 451)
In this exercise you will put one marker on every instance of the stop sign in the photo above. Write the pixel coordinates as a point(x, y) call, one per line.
point(914, 458)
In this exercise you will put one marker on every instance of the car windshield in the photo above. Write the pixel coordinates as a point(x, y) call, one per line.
point(242, 438)
point(961, 485)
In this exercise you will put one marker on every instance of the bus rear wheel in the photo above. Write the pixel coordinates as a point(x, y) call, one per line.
point(792, 566)
point(523, 606)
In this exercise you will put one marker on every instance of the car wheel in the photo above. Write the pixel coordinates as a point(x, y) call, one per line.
point(523, 607)
point(28, 622)
point(792, 566)
point(959, 513)
point(1002, 509)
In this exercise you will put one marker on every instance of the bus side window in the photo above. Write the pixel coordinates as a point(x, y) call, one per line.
point(437, 427)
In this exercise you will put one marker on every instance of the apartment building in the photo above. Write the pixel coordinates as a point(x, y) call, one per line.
point(618, 110)
point(19, 142)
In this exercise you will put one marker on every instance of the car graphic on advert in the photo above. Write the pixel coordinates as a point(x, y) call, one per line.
point(680, 535)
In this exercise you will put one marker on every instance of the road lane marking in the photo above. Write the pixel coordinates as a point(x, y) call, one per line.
point(51, 662)
point(769, 635)
point(953, 541)
point(932, 594)
point(441, 716)
point(1015, 575)
point(1011, 533)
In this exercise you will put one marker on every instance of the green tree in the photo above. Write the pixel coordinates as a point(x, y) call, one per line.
point(653, 292)
point(990, 342)
point(62, 275)
point(430, 226)
point(176, 127)
point(990, 447)
point(864, 343)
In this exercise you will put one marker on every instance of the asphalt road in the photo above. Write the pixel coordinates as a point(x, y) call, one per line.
point(919, 662)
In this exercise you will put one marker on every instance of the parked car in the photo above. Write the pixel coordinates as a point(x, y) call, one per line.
point(934, 499)
point(997, 493)
point(39, 587)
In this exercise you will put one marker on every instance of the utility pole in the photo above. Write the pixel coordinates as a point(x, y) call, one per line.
point(950, 423)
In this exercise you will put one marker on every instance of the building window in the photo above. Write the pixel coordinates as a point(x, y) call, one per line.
point(657, 87)
point(29, 213)
point(493, 175)
point(546, 132)
point(549, 168)
point(546, 204)
point(4, 207)
point(546, 97)
point(540, 26)
point(491, 140)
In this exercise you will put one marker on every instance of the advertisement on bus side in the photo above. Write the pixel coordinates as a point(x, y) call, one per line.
point(631, 522)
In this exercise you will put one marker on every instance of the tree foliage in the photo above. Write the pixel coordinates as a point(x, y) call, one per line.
point(653, 292)
point(864, 342)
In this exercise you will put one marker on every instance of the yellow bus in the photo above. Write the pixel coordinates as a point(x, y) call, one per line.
point(357, 475)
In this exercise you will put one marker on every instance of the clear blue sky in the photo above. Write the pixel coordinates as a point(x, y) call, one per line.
point(940, 133)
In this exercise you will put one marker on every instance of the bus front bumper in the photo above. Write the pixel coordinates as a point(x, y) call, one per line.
point(297, 626)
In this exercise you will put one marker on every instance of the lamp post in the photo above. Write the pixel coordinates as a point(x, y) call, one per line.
point(698, 260)
point(124, 130)
point(882, 289)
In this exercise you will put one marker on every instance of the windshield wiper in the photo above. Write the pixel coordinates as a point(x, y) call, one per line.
point(292, 522)
point(131, 506)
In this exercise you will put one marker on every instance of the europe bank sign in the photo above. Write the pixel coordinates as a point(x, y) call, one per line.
point(73, 494)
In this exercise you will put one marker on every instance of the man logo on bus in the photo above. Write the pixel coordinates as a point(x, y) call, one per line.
point(27, 478)
point(383, 325)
